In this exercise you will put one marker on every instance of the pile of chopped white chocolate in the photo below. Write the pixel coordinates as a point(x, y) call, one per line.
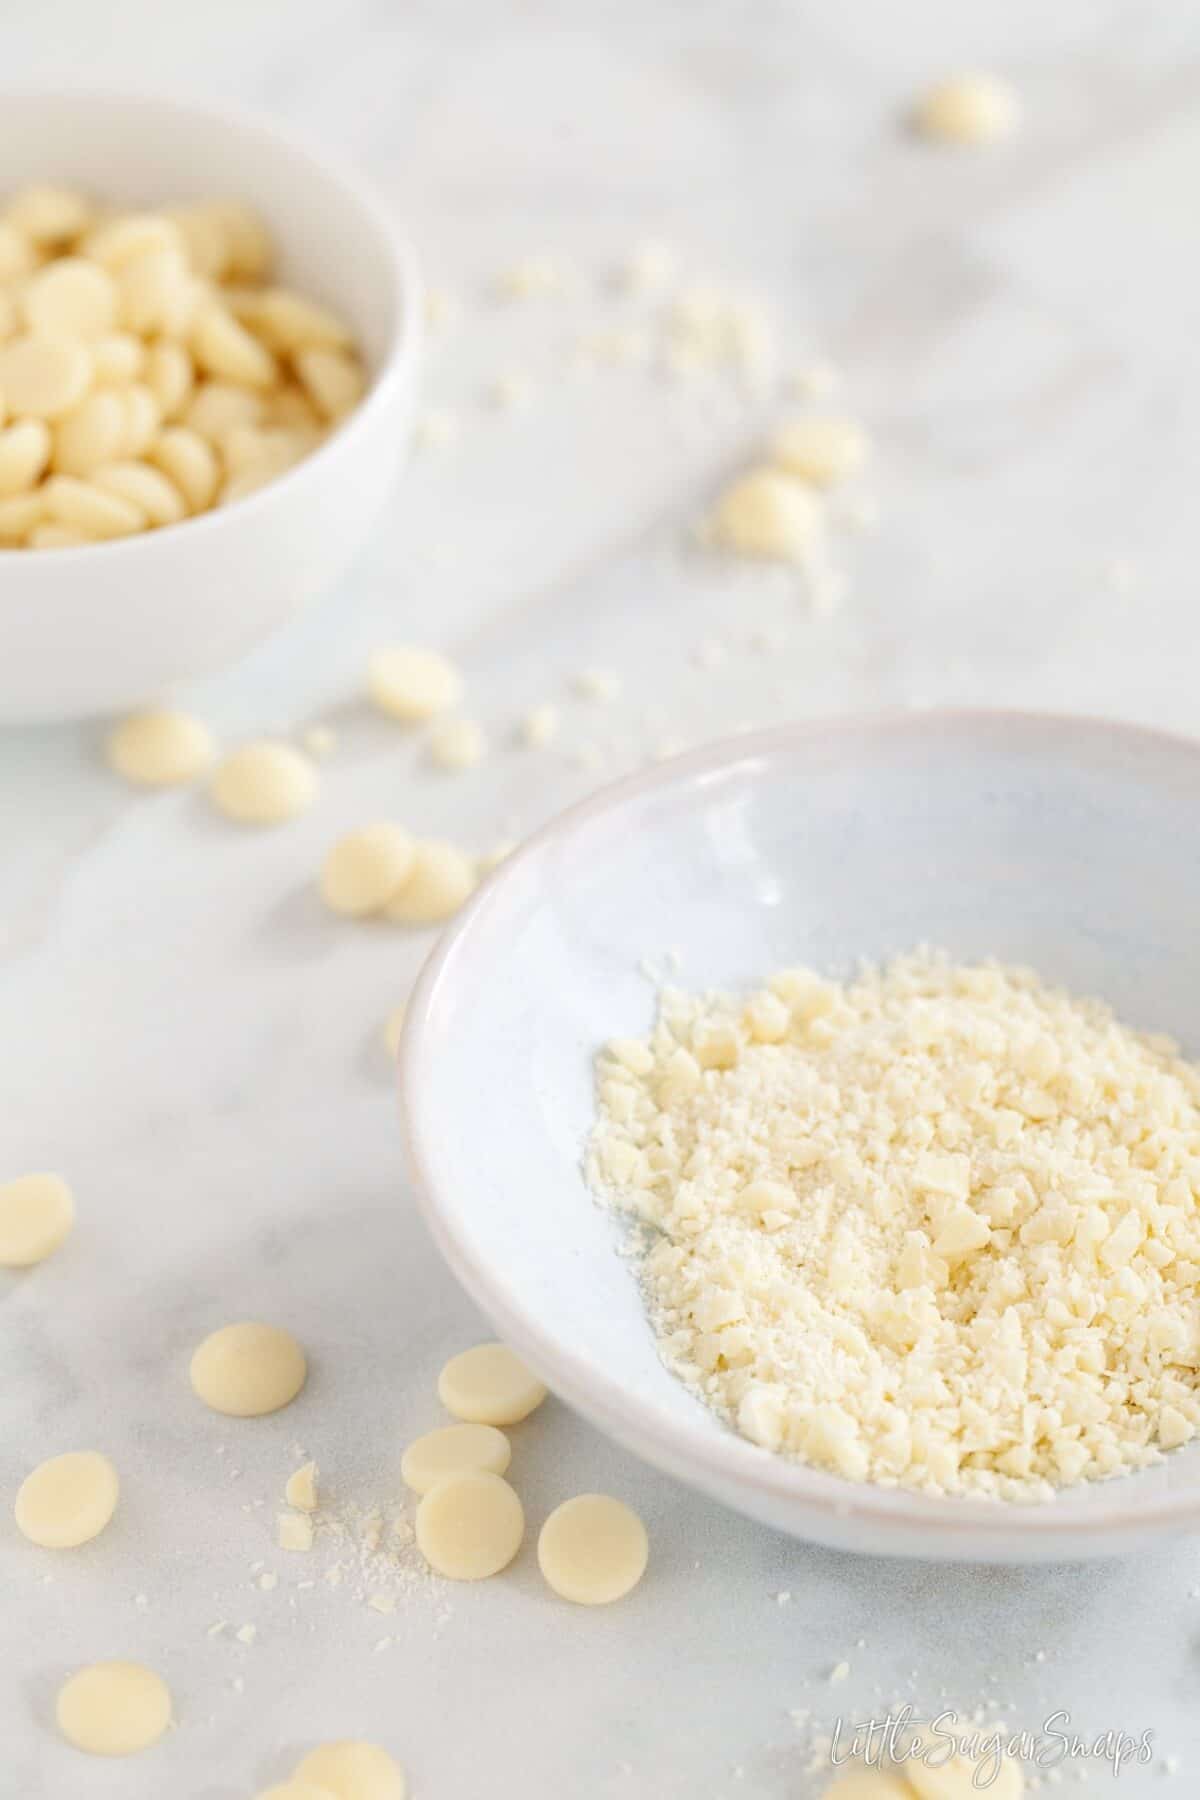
point(936, 1227)
point(148, 368)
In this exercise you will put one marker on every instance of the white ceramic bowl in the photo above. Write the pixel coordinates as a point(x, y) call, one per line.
point(94, 629)
point(1069, 844)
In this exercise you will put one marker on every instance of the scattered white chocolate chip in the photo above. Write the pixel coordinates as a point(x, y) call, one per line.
point(597, 684)
point(248, 1369)
point(301, 1489)
point(159, 748)
point(456, 744)
point(967, 109)
point(767, 514)
point(68, 1500)
point(823, 451)
point(593, 1549)
point(113, 1709)
point(36, 1215)
point(353, 1770)
point(442, 878)
point(452, 1449)
point(264, 784)
point(539, 726)
point(365, 868)
point(470, 1526)
point(412, 684)
point(489, 1385)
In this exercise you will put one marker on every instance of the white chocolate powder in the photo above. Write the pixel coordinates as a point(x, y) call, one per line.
point(936, 1227)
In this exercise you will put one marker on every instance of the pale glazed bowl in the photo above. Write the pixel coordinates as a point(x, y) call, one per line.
point(1072, 845)
point(106, 626)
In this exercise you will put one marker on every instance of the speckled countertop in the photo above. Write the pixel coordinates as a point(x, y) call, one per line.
point(185, 1034)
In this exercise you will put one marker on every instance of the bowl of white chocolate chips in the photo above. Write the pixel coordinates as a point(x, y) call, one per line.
point(208, 341)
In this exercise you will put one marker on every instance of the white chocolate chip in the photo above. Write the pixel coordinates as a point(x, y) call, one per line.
point(289, 322)
point(333, 381)
point(264, 784)
point(70, 298)
point(48, 214)
point(117, 357)
point(767, 514)
point(228, 352)
point(353, 1771)
point(113, 1709)
point(24, 453)
point(593, 1549)
point(36, 1216)
point(967, 110)
point(170, 376)
point(91, 434)
point(159, 748)
point(248, 1369)
point(597, 684)
point(470, 1526)
point(452, 1449)
point(70, 501)
point(68, 1500)
point(442, 878)
point(365, 868)
point(539, 726)
point(44, 377)
point(456, 744)
point(412, 684)
point(190, 462)
point(145, 487)
point(489, 1385)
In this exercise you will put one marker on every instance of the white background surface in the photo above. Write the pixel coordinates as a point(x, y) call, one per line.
point(196, 1044)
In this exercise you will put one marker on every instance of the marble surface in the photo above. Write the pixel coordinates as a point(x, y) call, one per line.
point(188, 1036)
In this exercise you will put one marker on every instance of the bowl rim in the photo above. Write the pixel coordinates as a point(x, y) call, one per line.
point(397, 363)
point(968, 1528)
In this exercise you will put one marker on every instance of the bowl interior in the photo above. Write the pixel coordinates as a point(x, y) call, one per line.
point(136, 150)
point(1067, 845)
